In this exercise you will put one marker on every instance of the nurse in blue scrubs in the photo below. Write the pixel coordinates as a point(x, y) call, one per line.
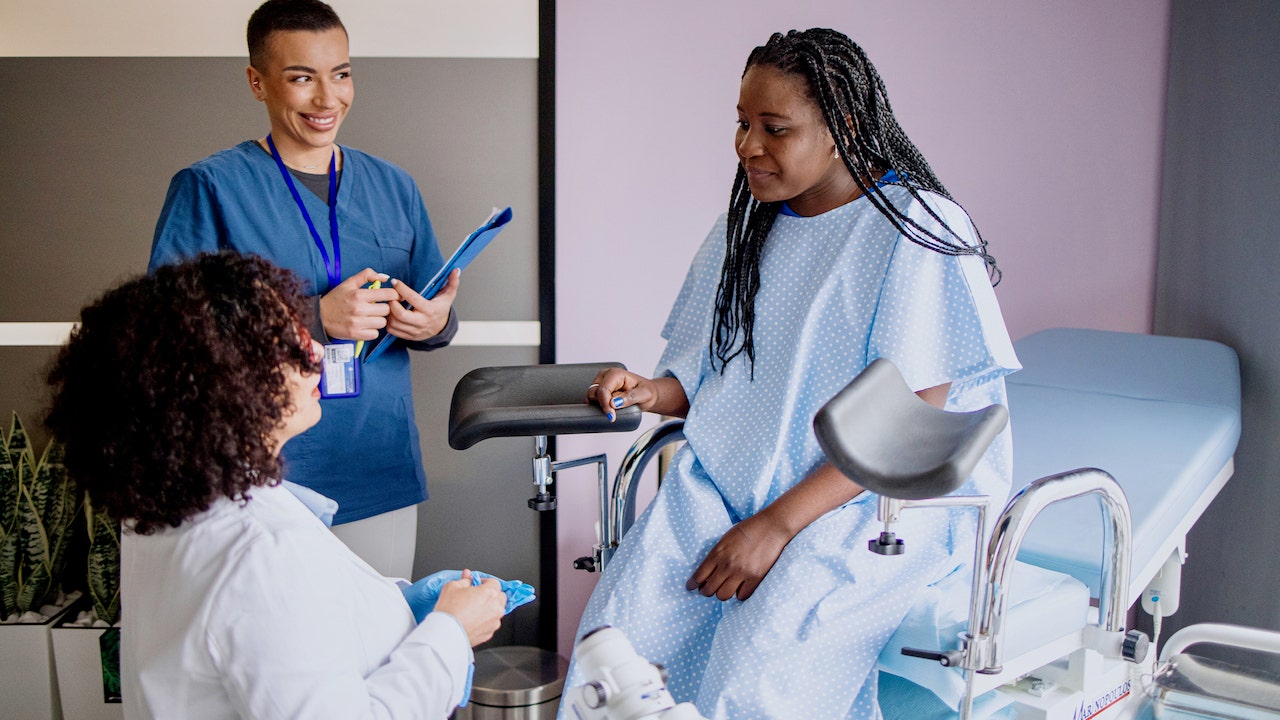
point(354, 227)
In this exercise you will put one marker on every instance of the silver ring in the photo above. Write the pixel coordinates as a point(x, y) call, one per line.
point(592, 386)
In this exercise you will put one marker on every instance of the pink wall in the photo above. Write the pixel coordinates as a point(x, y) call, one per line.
point(1043, 119)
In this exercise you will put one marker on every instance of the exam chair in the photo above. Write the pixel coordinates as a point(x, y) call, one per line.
point(1143, 426)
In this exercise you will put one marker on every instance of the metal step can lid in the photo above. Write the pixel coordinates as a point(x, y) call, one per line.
point(517, 676)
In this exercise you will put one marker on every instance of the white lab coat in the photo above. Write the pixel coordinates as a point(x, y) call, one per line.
point(256, 610)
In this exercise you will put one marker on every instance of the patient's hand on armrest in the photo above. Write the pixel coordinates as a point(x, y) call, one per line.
point(615, 388)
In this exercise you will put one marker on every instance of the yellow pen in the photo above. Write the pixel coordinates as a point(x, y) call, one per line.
point(360, 343)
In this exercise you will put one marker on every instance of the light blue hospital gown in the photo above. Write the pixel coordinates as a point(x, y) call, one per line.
point(837, 291)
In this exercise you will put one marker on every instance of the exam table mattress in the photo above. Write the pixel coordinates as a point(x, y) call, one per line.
point(1161, 414)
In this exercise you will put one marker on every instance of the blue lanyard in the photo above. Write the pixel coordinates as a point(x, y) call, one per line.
point(333, 269)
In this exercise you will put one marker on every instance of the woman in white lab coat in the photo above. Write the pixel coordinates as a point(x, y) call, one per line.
point(173, 399)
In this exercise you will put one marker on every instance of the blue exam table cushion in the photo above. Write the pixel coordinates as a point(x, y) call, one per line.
point(1160, 414)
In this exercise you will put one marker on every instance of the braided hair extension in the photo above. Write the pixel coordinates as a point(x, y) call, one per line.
point(855, 106)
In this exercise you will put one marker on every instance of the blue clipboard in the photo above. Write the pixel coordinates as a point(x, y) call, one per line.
point(470, 248)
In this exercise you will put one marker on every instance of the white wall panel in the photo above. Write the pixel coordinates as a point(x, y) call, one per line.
point(197, 28)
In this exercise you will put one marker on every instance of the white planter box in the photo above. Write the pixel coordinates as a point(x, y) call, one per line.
point(79, 662)
point(29, 683)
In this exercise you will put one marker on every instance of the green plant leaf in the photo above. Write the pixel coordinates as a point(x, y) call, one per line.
point(8, 484)
point(35, 568)
point(47, 508)
point(109, 654)
point(104, 562)
point(9, 517)
point(18, 443)
point(62, 513)
point(39, 521)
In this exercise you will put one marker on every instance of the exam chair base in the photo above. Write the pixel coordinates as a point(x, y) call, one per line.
point(1087, 686)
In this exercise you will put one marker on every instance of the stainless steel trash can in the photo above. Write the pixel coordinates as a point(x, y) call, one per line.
point(515, 683)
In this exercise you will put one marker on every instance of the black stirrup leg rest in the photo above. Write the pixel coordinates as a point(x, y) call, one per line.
point(528, 401)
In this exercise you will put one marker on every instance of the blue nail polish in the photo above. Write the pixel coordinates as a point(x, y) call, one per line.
point(610, 416)
point(617, 402)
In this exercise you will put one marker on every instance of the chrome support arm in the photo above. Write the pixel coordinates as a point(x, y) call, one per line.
point(601, 462)
point(1010, 530)
point(618, 514)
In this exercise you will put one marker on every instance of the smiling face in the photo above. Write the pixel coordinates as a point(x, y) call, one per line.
point(306, 84)
point(784, 145)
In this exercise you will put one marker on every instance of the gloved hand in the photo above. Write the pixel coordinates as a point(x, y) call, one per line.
point(423, 594)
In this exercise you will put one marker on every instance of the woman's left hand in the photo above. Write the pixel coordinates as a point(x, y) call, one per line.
point(425, 318)
point(738, 563)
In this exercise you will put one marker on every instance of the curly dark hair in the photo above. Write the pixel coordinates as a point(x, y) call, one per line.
point(167, 394)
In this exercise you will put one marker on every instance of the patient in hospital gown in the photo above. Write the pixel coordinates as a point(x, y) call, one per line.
point(840, 285)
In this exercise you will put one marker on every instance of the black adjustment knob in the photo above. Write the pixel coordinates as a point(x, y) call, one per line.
point(887, 544)
point(946, 659)
point(585, 562)
point(1135, 647)
point(542, 502)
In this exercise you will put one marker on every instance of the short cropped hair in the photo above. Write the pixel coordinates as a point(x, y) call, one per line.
point(167, 395)
point(284, 15)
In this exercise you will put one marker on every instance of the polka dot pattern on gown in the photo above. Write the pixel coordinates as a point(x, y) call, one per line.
point(837, 291)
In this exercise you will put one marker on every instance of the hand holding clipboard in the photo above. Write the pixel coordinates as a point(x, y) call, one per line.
point(461, 258)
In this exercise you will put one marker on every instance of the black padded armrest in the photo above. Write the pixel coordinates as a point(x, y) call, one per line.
point(885, 438)
point(530, 400)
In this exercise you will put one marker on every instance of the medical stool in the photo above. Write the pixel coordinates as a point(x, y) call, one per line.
point(515, 683)
point(538, 401)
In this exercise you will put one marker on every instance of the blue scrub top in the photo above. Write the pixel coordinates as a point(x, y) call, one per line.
point(365, 451)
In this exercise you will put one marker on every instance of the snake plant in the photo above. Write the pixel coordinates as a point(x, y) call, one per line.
point(14, 458)
point(38, 518)
point(103, 562)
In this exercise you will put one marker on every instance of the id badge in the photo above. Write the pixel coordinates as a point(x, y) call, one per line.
point(340, 371)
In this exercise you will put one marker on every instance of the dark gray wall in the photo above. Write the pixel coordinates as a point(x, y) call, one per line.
point(1217, 279)
point(87, 147)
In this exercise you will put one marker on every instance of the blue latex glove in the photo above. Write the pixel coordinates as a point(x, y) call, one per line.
point(423, 594)
point(466, 689)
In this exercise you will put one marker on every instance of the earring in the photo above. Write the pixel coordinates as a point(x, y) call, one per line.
point(835, 154)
